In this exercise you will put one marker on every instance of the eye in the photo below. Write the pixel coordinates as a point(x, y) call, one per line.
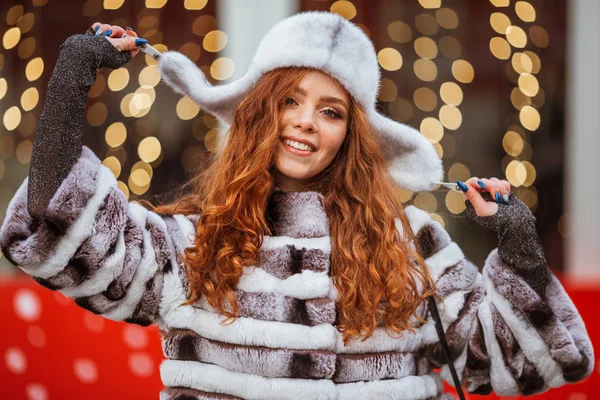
point(287, 101)
point(333, 113)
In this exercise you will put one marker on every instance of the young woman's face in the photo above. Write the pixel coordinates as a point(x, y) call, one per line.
point(316, 114)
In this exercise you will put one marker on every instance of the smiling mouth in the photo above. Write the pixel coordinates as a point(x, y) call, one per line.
point(295, 150)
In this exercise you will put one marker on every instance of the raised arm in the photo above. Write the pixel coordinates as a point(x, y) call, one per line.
point(512, 328)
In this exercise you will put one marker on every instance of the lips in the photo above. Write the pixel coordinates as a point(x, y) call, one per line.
point(303, 141)
point(293, 150)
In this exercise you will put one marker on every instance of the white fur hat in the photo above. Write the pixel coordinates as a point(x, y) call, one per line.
point(328, 42)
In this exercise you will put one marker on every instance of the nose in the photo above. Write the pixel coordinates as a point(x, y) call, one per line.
point(305, 120)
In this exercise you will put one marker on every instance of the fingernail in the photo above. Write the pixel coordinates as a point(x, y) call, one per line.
point(462, 186)
point(498, 197)
point(481, 184)
point(129, 28)
point(140, 42)
point(505, 199)
point(99, 32)
point(109, 32)
point(96, 28)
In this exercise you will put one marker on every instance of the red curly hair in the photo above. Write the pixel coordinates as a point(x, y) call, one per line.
point(379, 277)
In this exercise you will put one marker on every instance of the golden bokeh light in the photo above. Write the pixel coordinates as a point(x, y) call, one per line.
point(155, 3)
point(425, 99)
point(141, 101)
point(518, 99)
point(13, 15)
point(512, 143)
point(25, 23)
point(430, 3)
point(463, 71)
point(438, 218)
point(149, 76)
point(564, 226)
point(425, 70)
point(454, 202)
point(186, 108)
point(123, 186)
point(113, 4)
point(125, 105)
point(500, 3)
point(447, 18)
point(113, 164)
point(214, 41)
point(97, 114)
point(529, 85)
point(11, 38)
point(145, 166)
point(148, 150)
point(3, 88)
point(12, 118)
point(525, 11)
point(450, 117)
point(459, 171)
point(388, 91)
point(426, 24)
point(426, 48)
point(191, 50)
point(194, 4)
point(344, 8)
point(438, 149)
point(138, 176)
point(29, 99)
point(222, 68)
point(539, 99)
point(211, 140)
point(401, 109)
point(530, 118)
point(500, 48)
point(118, 79)
point(531, 173)
point(539, 36)
point(450, 47)
point(535, 61)
point(399, 32)
point(426, 201)
point(115, 134)
point(499, 22)
point(516, 36)
point(522, 63)
point(390, 59)
point(26, 48)
point(404, 194)
point(204, 24)
point(451, 94)
point(432, 129)
point(150, 60)
point(23, 151)
point(516, 173)
point(34, 69)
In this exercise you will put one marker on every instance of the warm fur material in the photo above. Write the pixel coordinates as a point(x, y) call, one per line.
point(119, 260)
point(327, 42)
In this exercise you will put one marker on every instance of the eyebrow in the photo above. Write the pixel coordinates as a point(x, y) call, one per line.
point(327, 99)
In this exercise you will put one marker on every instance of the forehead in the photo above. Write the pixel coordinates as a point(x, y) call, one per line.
point(318, 83)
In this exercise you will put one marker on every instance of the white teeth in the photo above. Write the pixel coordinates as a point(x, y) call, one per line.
point(297, 145)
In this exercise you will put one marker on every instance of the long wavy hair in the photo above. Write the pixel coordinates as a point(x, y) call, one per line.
point(380, 279)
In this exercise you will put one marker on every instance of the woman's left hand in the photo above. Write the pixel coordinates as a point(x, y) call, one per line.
point(498, 189)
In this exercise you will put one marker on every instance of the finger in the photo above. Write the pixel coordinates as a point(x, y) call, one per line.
point(481, 206)
point(117, 31)
point(124, 44)
point(102, 29)
point(502, 193)
point(476, 183)
point(96, 25)
point(130, 32)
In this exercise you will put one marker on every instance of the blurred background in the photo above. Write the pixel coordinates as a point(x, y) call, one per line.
point(502, 88)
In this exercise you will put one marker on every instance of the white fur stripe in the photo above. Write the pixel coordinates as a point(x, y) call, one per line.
point(532, 344)
point(406, 388)
point(78, 231)
point(187, 228)
point(305, 285)
point(416, 217)
point(500, 378)
point(274, 242)
point(444, 259)
point(108, 272)
point(145, 271)
point(211, 378)
point(381, 341)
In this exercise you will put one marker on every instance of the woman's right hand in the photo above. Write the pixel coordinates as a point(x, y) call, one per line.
point(115, 37)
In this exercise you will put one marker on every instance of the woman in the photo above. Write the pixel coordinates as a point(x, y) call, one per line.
point(290, 270)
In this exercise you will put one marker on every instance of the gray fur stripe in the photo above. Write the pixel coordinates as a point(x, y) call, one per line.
point(539, 313)
point(458, 277)
point(297, 214)
point(285, 261)
point(373, 366)
point(276, 307)
point(263, 361)
point(476, 374)
point(193, 394)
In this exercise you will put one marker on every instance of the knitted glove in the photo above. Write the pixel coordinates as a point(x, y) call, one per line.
point(59, 133)
point(518, 243)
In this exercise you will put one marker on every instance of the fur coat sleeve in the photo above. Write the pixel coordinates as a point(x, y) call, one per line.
point(511, 328)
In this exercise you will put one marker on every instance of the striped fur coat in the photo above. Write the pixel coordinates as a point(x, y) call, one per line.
point(118, 259)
